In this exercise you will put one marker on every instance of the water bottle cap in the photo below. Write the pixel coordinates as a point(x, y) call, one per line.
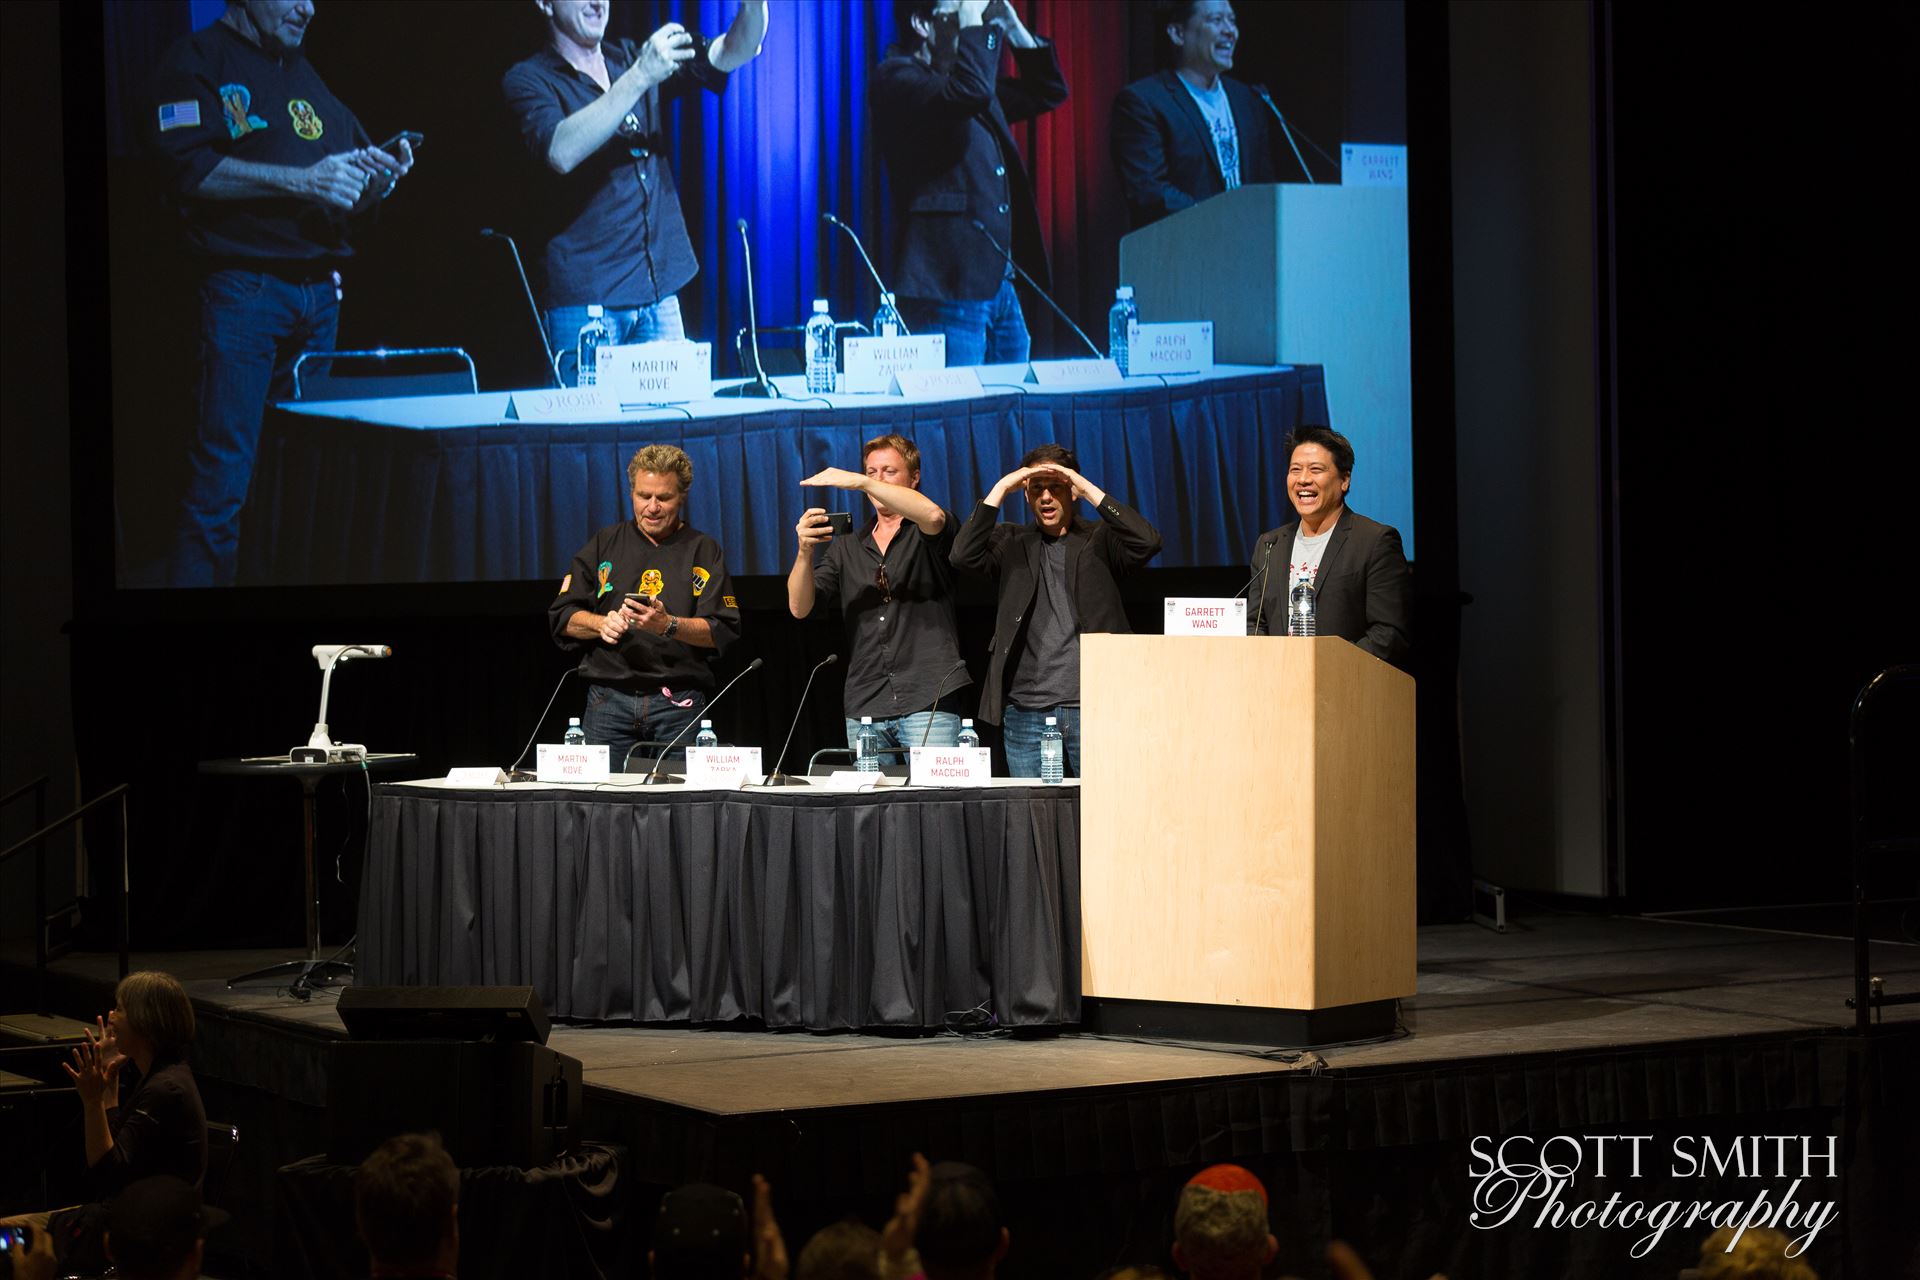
point(595, 311)
point(706, 724)
point(1124, 291)
point(819, 306)
point(576, 720)
point(886, 299)
point(1050, 720)
point(966, 724)
point(866, 719)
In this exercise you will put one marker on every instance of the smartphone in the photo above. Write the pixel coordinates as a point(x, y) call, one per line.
point(392, 145)
point(839, 522)
point(15, 1240)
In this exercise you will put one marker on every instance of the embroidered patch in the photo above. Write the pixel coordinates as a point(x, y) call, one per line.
point(180, 115)
point(236, 103)
point(700, 579)
point(566, 584)
point(651, 583)
point(730, 602)
point(606, 578)
point(305, 122)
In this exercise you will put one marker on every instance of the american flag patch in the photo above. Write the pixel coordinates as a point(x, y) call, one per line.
point(179, 115)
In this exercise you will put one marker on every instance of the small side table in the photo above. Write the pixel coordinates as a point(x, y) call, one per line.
point(314, 968)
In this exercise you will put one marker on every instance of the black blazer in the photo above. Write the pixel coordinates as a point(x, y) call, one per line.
point(1097, 553)
point(1164, 150)
point(1365, 586)
point(951, 159)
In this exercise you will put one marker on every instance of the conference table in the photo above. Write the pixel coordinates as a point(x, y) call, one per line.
point(463, 488)
point(800, 906)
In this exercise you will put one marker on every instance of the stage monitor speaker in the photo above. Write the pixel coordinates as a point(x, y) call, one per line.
point(492, 1104)
point(497, 1014)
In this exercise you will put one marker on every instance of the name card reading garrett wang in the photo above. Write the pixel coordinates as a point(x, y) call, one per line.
point(1367, 164)
point(938, 382)
point(873, 362)
point(1170, 348)
point(1205, 616)
point(657, 372)
point(950, 767)
point(559, 763)
point(726, 767)
point(1076, 373)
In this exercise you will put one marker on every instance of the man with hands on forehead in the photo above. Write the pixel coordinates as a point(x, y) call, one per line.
point(894, 585)
point(646, 604)
point(591, 115)
point(1057, 581)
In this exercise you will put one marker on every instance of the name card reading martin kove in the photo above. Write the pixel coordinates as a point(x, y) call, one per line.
point(873, 362)
point(657, 372)
point(1170, 348)
point(950, 767)
point(723, 767)
point(559, 763)
point(1205, 616)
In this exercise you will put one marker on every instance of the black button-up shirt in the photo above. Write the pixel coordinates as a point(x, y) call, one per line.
point(905, 652)
point(612, 229)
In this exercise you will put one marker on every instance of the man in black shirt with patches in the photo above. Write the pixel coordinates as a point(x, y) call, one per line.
point(645, 604)
point(592, 115)
point(894, 585)
point(1057, 581)
point(267, 170)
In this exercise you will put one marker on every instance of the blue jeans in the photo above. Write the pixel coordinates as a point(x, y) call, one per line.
point(657, 323)
point(907, 731)
point(253, 326)
point(990, 332)
point(1021, 735)
point(620, 720)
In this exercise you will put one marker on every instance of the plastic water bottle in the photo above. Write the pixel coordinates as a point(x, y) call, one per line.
point(1053, 752)
point(820, 353)
point(576, 736)
point(594, 335)
point(969, 736)
point(706, 737)
point(1302, 603)
point(866, 749)
point(886, 321)
point(1122, 314)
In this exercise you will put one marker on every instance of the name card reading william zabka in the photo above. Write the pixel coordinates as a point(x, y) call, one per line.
point(950, 767)
point(722, 767)
point(657, 372)
point(1205, 616)
point(873, 362)
point(1169, 348)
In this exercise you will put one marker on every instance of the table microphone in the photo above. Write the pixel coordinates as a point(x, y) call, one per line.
point(1046, 297)
point(1265, 560)
point(760, 385)
point(653, 776)
point(938, 693)
point(1287, 131)
point(777, 778)
point(878, 283)
point(539, 326)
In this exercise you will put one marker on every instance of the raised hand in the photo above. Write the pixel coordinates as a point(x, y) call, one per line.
point(769, 1248)
point(835, 478)
point(95, 1070)
point(664, 51)
point(898, 1236)
point(1009, 482)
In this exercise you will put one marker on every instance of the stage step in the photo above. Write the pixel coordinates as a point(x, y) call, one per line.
point(22, 1030)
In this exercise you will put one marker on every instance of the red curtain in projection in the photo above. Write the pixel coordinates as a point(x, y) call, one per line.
point(1082, 214)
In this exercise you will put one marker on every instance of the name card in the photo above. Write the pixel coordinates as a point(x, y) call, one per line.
point(950, 767)
point(723, 767)
point(1205, 616)
point(871, 363)
point(484, 775)
point(570, 764)
point(563, 404)
point(1170, 348)
point(1367, 164)
point(937, 382)
point(1076, 373)
point(853, 780)
point(657, 372)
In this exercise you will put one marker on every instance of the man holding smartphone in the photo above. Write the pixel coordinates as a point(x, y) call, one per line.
point(894, 585)
point(268, 172)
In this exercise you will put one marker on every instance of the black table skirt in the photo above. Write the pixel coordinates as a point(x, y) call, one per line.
point(812, 910)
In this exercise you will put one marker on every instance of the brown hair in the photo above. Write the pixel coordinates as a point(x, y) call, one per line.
point(156, 1006)
point(848, 1250)
point(403, 1198)
point(1761, 1254)
point(1056, 453)
point(662, 460)
point(1220, 1230)
point(907, 449)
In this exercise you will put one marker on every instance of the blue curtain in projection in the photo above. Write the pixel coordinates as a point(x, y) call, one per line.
point(787, 141)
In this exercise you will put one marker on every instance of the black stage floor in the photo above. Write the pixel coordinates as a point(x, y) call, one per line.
point(1566, 1023)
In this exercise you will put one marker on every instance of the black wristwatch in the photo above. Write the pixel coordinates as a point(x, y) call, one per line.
point(673, 625)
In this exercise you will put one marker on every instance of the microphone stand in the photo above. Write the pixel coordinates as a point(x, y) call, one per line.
point(1046, 297)
point(938, 693)
point(777, 778)
point(653, 775)
point(539, 326)
point(1265, 562)
point(761, 386)
point(878, 283)
point(1287, 131)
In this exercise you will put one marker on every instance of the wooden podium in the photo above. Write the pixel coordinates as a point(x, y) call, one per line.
point(1246, 838)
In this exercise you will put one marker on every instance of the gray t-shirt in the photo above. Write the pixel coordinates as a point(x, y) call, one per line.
point(1049, 670)
point(1218, 112)
point(1307, 552)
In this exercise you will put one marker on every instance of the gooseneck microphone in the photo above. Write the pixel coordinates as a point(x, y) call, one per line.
point(513, 771)
point(1286, 131)
point(539, 325)
point(761, 385)
point(1266, 559)
point(878, 283)
point(653, 775)
point(939, 692)
point(1046, 297)
point(777, 778)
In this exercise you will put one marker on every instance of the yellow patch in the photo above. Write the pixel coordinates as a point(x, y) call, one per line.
point(566, 584)
point(306, 122)
point(700, 579)
point(730, 602)
point(651, 583)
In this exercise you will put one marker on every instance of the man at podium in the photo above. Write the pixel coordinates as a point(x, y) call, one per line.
point(1191, 131)
point(1362, 584)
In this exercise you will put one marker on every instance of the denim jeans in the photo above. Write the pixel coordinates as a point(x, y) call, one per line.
point(990, 332)
point(1021, 734)
point(908, 731)
point(618, 720)
point(253, 326)
point(657, 323)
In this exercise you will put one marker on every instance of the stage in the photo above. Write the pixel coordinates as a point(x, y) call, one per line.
point(1567, 1023)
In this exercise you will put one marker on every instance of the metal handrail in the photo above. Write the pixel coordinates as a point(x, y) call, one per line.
point(1867, 992)
point(387, 353)
point(37, 841)
point(38, 788)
